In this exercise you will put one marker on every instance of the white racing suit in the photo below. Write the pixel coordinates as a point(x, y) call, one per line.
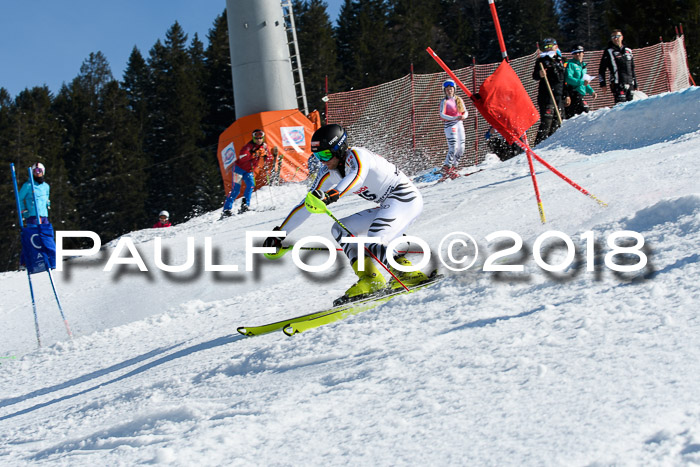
point(373, 178)
point(454, 131)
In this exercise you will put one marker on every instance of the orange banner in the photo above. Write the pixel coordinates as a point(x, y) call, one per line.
point(288, 130)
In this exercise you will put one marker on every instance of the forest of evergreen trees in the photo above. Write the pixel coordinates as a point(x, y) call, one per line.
point(117, 151)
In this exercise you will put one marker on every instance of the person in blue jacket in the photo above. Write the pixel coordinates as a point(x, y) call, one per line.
point(38, 214)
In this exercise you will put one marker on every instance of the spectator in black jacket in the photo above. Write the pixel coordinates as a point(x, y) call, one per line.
point(618, 59)
point(555, 73)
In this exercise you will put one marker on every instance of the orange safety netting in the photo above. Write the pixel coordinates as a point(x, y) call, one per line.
point(400, 119)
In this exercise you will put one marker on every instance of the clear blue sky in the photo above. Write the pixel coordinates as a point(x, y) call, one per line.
point(46, 41)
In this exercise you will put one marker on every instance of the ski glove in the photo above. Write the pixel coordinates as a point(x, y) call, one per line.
point(330, 196)
point(275, 242)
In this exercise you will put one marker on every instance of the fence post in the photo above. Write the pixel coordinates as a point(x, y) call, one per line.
point(413, 113)
point(476, 116)
point(326, 99)
point(663, 57)
point(685, 53)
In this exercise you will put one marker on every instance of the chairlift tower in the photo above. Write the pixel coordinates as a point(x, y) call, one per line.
point(261, 65)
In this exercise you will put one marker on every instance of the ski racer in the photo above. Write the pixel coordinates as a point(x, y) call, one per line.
point(359, 171)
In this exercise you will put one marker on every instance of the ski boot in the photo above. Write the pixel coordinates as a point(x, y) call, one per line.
point(409, 279)
point(226, 213)
point(370, 281)
point(244, 206)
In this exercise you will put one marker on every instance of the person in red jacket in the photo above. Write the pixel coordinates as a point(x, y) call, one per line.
point(246, 162)
point(163, 220)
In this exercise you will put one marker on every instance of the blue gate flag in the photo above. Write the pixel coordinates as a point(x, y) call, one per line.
point(38, 244)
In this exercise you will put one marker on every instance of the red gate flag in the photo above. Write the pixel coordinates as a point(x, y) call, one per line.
point(505, 104)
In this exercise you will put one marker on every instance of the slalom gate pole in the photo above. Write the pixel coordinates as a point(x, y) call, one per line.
point(46, 262)
point(529, 150)
point(502, 45)
point(525, 147)
point(269, 186)
point(58, 302)
point(540, 207)
point(29, 276)
point(551, 94)
point(449, 72)
point(469, 94)
point(318, 208)
point(499, 33)
point(36, 319)
point(368, 251)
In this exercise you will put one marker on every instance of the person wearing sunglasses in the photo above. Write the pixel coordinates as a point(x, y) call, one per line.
point(246, 162)
point(38, 214)
point(578, 78)
point(618, 61)
point(356, 170)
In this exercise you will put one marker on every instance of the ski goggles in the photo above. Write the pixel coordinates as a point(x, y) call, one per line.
point(258, 135)
point(38, 171)
point(324, 156)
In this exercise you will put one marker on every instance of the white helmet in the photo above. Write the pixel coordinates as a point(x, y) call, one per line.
point(38, 169)
point(164, 213)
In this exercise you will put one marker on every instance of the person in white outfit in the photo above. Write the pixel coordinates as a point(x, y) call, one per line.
point(452, 112)
point(361, 172)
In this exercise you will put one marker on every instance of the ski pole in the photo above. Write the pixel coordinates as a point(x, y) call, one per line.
point(46, 262)
point(284, 249)
point(551, 94)
point(29, 276)
point(316, 205)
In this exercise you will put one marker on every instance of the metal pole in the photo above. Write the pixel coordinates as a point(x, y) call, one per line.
point(29, 276)
point(499, 33)
point(314, 204)
point(46, 262)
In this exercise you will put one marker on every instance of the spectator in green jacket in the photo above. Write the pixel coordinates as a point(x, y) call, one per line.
point(578, 79)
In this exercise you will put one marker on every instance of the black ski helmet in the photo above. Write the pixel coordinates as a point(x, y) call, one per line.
point(331, 138)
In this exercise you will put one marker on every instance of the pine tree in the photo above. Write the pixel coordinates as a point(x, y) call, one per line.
point(583, 23)
point(642, 26)
point(527, 22)
point(135, 84)
point(464, 27)
point(118, 206)
point(412, 24)
point(77, 106)
point(183, 180)
point(29, 133)
point(317, 48)
point(364, 49)
point(218, 84)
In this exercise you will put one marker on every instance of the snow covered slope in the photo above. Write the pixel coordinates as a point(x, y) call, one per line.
point(570, 368)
